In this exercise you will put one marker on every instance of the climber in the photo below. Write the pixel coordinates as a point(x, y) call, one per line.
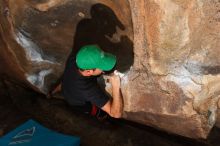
point(80, 87)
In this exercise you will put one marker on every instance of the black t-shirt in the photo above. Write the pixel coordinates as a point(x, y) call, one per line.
point(79, 90)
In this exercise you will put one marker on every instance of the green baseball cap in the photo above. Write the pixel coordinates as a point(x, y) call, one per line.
point(92, 57)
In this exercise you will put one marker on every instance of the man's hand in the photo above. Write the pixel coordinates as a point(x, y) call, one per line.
point(115, 81)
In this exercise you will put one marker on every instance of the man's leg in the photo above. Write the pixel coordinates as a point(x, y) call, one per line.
point(92, 110)
point(98, 113)
point(55, 92)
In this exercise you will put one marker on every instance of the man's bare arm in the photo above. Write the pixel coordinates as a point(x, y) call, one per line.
point(114, 107)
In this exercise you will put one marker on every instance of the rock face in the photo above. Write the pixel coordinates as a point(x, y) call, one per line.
point(176, 68)
point(38, 36)
point(168, 51)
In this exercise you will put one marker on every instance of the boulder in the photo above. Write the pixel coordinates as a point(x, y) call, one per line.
point(167, 51)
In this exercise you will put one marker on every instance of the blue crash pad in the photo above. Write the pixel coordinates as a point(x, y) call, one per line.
point(32, 133)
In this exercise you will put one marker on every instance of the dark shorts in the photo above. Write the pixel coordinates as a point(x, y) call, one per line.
point(90, 109)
